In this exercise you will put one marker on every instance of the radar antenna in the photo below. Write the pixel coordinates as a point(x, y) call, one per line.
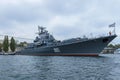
point(40, 29)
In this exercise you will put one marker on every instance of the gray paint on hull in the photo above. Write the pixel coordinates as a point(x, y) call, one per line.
point(88, 47)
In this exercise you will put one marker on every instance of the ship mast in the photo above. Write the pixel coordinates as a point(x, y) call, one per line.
point(41, 29)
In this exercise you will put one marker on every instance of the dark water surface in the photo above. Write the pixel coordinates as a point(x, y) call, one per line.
point(16, 67)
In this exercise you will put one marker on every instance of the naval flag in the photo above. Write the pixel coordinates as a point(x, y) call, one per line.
point(112, 25)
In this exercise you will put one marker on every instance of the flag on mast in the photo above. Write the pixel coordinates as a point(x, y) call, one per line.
point(112, 25)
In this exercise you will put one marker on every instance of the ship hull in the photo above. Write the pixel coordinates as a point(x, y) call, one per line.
point(91, 47)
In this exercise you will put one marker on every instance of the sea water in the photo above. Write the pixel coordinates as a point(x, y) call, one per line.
point(18, 67)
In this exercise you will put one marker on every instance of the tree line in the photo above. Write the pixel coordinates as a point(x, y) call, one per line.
point(6, 45)
point(115, 46)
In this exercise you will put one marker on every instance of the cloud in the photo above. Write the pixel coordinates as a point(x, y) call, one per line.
point(65, 19)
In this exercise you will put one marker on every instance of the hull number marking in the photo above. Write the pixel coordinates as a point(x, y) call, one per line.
point(56, 49)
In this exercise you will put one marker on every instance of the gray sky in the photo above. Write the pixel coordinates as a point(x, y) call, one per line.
point(62, 18)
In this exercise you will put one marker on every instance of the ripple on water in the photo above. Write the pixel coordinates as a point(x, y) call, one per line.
point(105, 67)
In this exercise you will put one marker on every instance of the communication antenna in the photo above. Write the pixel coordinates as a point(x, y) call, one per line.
point(17, 37)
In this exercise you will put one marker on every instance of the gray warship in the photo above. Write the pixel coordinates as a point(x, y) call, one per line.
point(46, 45)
